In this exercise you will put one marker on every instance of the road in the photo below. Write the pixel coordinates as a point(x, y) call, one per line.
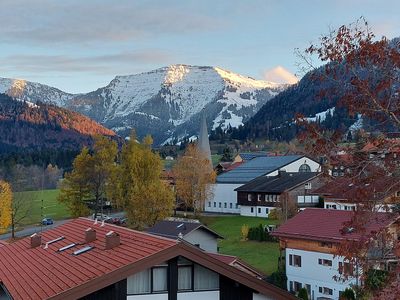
point(36, 228)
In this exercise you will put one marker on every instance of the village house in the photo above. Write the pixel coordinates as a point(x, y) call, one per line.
point(309, 243)
point(224, 198)
point(191, 231)
point(344, 193)
point(246, 156)
point(84, 260)
point(265, 193)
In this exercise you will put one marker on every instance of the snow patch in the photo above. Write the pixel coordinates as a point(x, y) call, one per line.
point(322, 115)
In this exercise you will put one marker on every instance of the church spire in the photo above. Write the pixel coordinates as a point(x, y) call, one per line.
point(204, 143)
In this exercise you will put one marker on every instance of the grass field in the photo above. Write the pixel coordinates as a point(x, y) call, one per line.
point(51, 207)
point(261, 255)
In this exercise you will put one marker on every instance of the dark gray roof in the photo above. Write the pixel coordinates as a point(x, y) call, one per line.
point(171, 229)
point(277, 184)
point(251, 155)
point(256, 167)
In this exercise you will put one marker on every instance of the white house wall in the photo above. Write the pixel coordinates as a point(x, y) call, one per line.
point(148, 297)
point(315, 274)
point(204, 239)
point(224, 193)
point(294, 166)
point(246, 211)
point(206, 295)
point(260, 297)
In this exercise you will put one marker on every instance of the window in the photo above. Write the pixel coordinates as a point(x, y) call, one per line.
point(346, 268)
point(139, 283)
point(153, 280)
point(209, 204)
point(295, 260)
point(248, 197)
point(325, 262)
point(205, 279)
point(304, 168)
point(259, 197)
point(325, 290)
point(307, 186)
point(252, 209)
point(295, 286)
point(308, 288)
point(215, 204)
point(259, 210)
point(184, 278)
point(225, 205)
point(193, 277)
point(267, 210)
point(219, 204)
point(230, 205)
point(159, 279)
point(237, 206)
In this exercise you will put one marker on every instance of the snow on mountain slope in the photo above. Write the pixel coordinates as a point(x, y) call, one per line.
point(33, 91)
point(167, 102)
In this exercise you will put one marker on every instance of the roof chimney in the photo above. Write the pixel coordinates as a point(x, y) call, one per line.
point(112, 240)
point(90, 235)
point(36, 240)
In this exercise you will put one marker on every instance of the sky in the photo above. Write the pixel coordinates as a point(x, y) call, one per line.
point(79, 46)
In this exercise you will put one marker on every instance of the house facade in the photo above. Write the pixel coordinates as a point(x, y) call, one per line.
point(84, 260)
point(345, 194)
point(309, 242)
point(192, 231)
point(224, 198)
point(259, 197)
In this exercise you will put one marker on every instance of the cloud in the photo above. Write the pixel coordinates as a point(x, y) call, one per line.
point(99, 64)
point(280, 75)
point(92, 21)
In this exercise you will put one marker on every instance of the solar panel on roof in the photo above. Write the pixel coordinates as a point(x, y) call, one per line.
point(66, 247)
point(83, 250)
point(55, 240)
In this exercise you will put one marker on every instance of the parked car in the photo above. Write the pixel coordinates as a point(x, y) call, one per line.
point(101, 217)
point(47, 221)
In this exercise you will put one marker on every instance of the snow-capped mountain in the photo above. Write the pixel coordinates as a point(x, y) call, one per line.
point(33, 92)
point(165, 103)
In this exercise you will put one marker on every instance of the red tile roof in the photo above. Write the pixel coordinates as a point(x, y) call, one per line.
point(330, 225)
point(344, 188)
point(228, 259)
point(40, 273)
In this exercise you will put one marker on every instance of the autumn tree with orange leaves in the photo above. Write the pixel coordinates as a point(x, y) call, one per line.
point(194, 177)
point(5, 205)
point(363, 73)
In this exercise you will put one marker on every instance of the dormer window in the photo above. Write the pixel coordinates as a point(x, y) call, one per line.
point(304, 168)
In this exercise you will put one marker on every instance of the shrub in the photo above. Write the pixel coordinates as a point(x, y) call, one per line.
point(273, 214)
point(348, 294)
point(244, 231)
point(375, 279)
point(278, 279)
point(303, 294)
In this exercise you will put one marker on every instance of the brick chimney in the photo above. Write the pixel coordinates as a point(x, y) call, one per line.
point(36, 240)
point(90, 235)
point(112, 240)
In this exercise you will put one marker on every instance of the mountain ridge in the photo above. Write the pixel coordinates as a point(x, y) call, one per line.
point(170, 98)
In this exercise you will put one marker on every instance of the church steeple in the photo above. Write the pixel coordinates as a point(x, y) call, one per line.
point(204, 143)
